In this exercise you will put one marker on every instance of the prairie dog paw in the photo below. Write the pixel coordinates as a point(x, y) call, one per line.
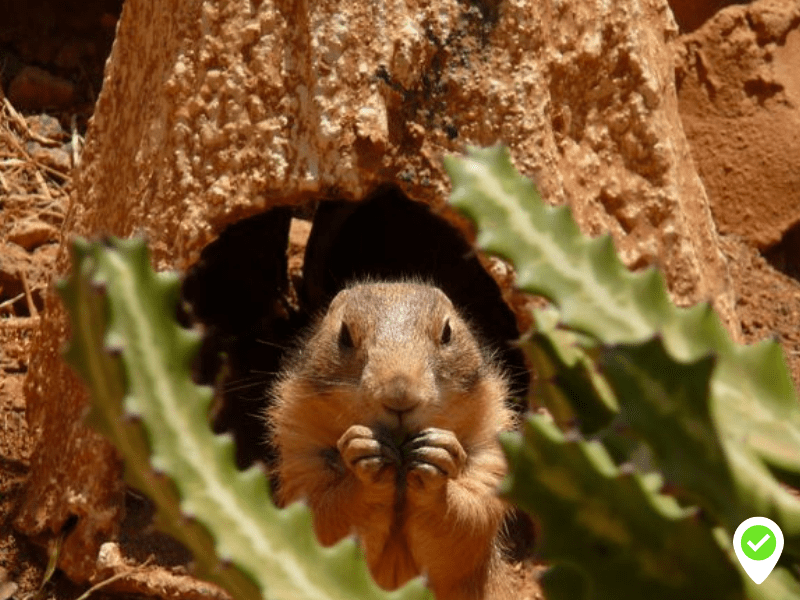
point(434, 456)
point(366, 456)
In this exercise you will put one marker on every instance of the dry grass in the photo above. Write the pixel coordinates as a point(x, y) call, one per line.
point(21, 172)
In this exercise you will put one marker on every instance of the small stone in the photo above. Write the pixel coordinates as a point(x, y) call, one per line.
point(46, 126)
point(34, 88)
point(109, 557)
point(13, 259)
point(32, 233)
point(56, 158)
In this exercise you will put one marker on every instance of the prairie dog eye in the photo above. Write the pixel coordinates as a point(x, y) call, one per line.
point(447, 332)
point(345, 339)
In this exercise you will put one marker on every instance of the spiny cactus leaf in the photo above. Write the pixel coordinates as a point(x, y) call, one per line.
point(568, 381)
point(136, 362)
point(668, 403)
point(753, 404)
point(630, 541)
point(581, 277)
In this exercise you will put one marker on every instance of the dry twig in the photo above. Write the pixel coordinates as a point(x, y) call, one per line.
point(112, 579)
point(23, 125)
point(7, 304)
point(28, 296)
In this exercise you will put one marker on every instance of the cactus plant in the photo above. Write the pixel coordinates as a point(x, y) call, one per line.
point(721, 421)
point(136, 361)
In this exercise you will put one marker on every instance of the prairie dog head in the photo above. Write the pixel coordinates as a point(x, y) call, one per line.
point(396, 356)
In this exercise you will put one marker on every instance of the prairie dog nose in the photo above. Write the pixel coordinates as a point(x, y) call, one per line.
point(399, 395)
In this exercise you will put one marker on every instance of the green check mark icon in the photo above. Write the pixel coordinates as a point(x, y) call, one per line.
point(758, 542)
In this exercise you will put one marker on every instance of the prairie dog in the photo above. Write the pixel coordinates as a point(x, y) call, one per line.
point(385, 421)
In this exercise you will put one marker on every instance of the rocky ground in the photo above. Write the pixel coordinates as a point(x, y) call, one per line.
point(51, 66)
point(739, 97)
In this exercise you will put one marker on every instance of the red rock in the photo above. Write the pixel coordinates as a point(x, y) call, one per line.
point(57, 158)
point(32, 233)
point(739, 99)
point(46, 126)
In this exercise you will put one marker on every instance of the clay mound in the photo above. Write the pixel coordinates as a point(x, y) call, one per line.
point(739, 97)
point(739, 94)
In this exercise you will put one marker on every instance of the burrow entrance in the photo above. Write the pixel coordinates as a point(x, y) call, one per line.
point(253, 311)
point(785, 255)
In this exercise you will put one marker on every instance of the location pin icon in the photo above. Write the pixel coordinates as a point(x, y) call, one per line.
point(758, 543)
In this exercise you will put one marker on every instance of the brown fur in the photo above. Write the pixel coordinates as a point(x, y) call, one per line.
point(389, 430)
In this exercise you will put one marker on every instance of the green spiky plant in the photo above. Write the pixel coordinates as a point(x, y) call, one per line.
point(650, 394)
point(641, 394)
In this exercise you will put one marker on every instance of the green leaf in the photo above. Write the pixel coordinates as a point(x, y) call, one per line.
point(573, 390)
point(753, 404)
point(628, 540)
point(668, 404)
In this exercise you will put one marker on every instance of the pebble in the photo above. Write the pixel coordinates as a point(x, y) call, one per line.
point(46, 126)
point(59, 158)
point(32, 233)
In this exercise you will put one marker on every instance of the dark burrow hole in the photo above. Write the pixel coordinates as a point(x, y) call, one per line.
point(785, 255)
point(240, 292)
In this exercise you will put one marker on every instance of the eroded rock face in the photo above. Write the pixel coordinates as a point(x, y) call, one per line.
point(739, 93)
point(212, 113)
